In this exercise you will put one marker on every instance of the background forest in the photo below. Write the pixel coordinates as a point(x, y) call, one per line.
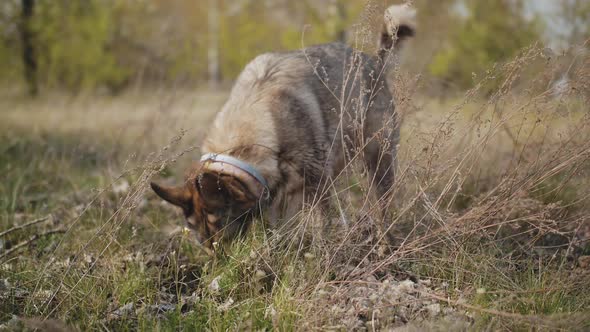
point(113, 45)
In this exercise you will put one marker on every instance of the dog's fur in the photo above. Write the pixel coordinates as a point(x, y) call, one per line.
point(298, 118)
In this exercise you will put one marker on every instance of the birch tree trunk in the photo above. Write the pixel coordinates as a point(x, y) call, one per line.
point(28, 55)
point(337, 12)
point(213, 48)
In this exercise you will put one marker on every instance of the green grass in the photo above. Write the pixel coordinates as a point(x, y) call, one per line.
point(117, 251)
point(49, 174)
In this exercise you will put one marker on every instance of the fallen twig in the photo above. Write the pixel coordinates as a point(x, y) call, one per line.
point(29, 241)
point(31, 223)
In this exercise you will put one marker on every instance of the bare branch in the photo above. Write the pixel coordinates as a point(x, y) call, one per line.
point(31, 240)
point(31, 223)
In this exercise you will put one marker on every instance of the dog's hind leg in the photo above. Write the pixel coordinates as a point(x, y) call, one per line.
point(381, 137)
point(380, 157)
point(381, 164)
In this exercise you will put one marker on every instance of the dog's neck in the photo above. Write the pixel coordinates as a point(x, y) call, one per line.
point(247, 136)
point(243, 171)
point(263, 161)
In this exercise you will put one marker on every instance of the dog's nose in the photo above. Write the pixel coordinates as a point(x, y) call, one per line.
point(206, 246)
point(203, 244)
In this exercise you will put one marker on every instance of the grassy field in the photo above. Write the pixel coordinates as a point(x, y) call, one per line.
point(490, 224)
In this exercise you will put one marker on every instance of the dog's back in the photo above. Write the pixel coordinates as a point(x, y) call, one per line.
point(301, 107)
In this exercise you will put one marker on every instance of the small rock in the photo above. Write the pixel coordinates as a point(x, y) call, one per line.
point(426, 282)
point(121, 187)
point(5, 285)
point(122, 311)
point(88, 259)
point(214, 285)
point(371, 278)
point(79, 208)
point(373, 297)
point(157, 309)
point(164, 296)
point(259, 274)
point(162, 308)
point(270, 312)
point(433, 309)
point(191, 300)
point(407, 286)
point(63, 264)
point(43, 295)
point(225, 306)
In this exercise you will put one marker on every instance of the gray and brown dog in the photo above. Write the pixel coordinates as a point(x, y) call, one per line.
point(293, 120)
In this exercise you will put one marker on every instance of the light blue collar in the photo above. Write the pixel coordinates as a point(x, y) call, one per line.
point(237, 163)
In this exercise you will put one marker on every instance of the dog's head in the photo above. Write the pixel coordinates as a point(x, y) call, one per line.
point(218, 202)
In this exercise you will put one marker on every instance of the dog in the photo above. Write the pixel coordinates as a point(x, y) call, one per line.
point(292, 122)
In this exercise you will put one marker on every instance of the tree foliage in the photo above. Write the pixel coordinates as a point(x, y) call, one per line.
point(575, 16)
point(74, 39)
point(10, 55)
point(85, 44)
point(490, 32)
point(88, 44)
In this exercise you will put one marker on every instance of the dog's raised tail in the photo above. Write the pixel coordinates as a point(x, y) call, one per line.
point(399, 24)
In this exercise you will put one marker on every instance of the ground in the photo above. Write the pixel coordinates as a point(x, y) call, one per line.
point(488, 229)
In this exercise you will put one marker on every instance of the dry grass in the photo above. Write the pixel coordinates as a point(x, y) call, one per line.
point(488, 228)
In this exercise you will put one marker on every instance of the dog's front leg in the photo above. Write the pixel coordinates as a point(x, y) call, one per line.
point(285, 209)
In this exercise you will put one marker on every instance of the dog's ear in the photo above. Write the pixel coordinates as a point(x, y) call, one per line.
point(179, 196)
point(220, 190)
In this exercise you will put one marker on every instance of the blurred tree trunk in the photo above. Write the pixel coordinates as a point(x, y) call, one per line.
point(577, 16)
point(213, 48)
point(29, 58)
point(339, 16)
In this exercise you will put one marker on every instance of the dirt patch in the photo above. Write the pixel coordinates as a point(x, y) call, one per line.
point(384, 304)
